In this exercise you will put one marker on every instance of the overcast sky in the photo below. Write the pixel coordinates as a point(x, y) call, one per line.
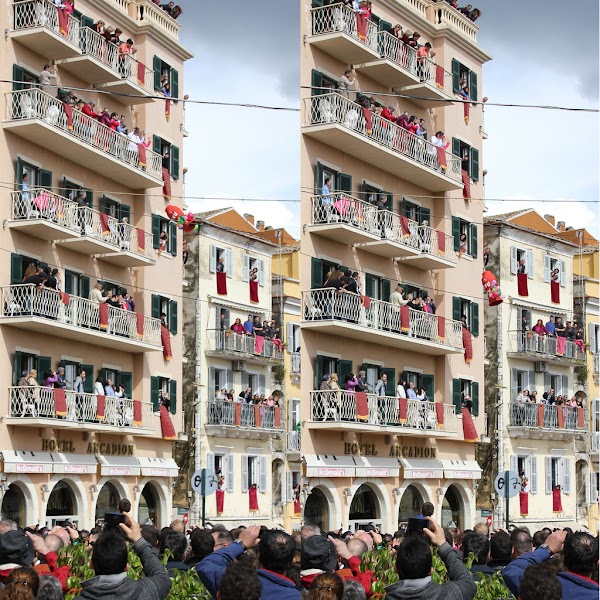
point(543, 54)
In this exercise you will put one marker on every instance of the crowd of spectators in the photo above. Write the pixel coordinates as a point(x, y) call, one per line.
point(247, 396)
point(554, 328)
point(172, 9)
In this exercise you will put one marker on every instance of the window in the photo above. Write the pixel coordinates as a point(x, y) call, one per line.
point(23, 79)
point(165, 306)
point(521, 380)
point(559, 383)
point(163, 147)
point(558, 472)
point(528, 465)
point(216, 254)
point(463, 77)
point(23, 361)
point(19, 266)
point(111, 286)
point(161, 225)
point(256, 381)
point(164, 73)
point(420, 380)
point(219, 378)
point(224, 463)
point(36, 176)
point(293, 479)
point(340, 182)
point(294, 413)
point(461, 387)
point(250, 263)
point(159, 386)
point(76, 284)
point(461, 228)
point(523, 312)
point(516, 256)
point(125, 378)
point(413, 211)
point(69, 190)
point(594, 337)
point(326, 365)
point(319, 270)
point(370, 193)
point(222, 318)
point(551, 265)
point(293, 337)
point(320, 81)
point(254, 472)
point(377, 288)
point(469, 157)
point(469, 309)
point(115, 209)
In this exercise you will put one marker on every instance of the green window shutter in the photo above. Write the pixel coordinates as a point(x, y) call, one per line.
point(124, 211)
point(456, 308)
point(85, 286)
point(125, 378)
point(386, 289)
point(46, 179)
point(473, 240)
point(157, 67)
point(474, 164)
point(389, 200)
point(316, 273)
point(455, 76)
point(369, 286)
point(16, 268)
point(86, 21)
point(155, 231)
point(157, 144)
point(424, 215)
point(174, 83)
point(43, 363)
point(316, 81)
point(173, 396)
point(154, 388)
point(456, 147)
point(385, 26)
point(456, 233)
point(16, 367)
point(456, 395)
point(318, 178)
point(318, 371)
point(18, 77)
point(317, 3)
point(473, 85)
point(89, 198)
point(475, 397)
point(404, 208)
point(155, 306)
point(69, 282)
point(345, 368)
point(475, 318)
point(104, 203)
point(428, 382)
point(19, 177)
point(173, 238)
point(175, 162)
point(344, 183)
point(88, 385)
point(390, 386)
point(173, 317)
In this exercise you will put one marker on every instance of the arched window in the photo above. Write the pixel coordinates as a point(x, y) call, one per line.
point(108, 501)
point(365, 507)
point(410, 504)
point(62, 504)
point(452, 510)
point(13, 505)
point(316, 509)
point(149, 508)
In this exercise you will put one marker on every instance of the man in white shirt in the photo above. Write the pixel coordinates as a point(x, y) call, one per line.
point(96, 294)
point(109, 390)
point(401, 389)
point(347, 83)
point(410, 392)
point(47, 77)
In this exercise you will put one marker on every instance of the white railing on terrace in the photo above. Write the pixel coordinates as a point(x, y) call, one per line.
point(42, 13)
point(338, 18)
point(295, 362)
point(447, 16)
point(333, 108)
point(597, 362)
point(340, 405)
point(25, 300)
point(41, 204)
point(241, 415)
point(328, 304)
point(294, 441)
point(40, 403)
point(528, 415)
point(37, 104)
point(228, 341)
point(543, 344)
point(148, 12)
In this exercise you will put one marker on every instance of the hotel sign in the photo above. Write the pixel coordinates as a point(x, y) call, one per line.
point(397, 451)
point(102, 448)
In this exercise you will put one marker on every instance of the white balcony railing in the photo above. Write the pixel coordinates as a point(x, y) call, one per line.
point(334, 109)
point(543, 345)
point(447, 16)
point(341, 405)
point(40, 403)
point(293, 441)
point(237, 414)
point(25, 300)
point(228, 341)
point(36, 104)
point(597, 363)
point(148, 13)
point(329, 305)
point(295, 362)
point(546, 416)
point(342, 19)
point(31, 14)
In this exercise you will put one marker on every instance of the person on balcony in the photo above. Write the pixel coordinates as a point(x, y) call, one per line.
point(350, 382)
point(23, 379)
point(539, 328)
point(249, 325)
point(135, 139)
point(125, 49)
point(49, 378)
point(569, 330)
point(466, 10)
point(109, 390)
point(325, 383)
point(438, 141)
point(60, 382)
point(411, 393)
point(401, 389)
point(423, 54)
point(47, 78)
point(550, 326)
point(176, 12)
point(347, 83)
point(257, 327)
point(237, 327)
point(475, 14)
point(362, 385)
point(99, 386)
point(521, 269)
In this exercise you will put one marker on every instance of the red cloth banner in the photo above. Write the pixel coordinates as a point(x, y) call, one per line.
point(258, 413)
point(141, 240)
point(254, 291)
point(580, 417)
point(253, 499)
point(439, 76)
point(69, 113)
point(556, 500)
point(466, 181)
point(561, 344)
point(441, 239)
point(140, 325)
point(222, 284)
point(560, 417)
point(141, 73)
point(439, 413)
point(137, 413)
point(555, 292)
point(166, 424)
point(165, 338)
point(66, 298)
point(103, 309)
point(142, 155)
point(404, 318)
point(104, 223)
point(368, 115)
point(60, 402)
point(441, 156)
point(259, 344)
point(362, 406)
point(540, 415)
point(220, 495)
point(466, 112)
point(63, 21)
point(167, 110)
point(277, 417)
point(166, 177)
point(524, 503)
point(361, 26)
point(297, 508)
point(403, 409)
point(467, 344)
point(441, 322)
point(366, 301)
point(237, 414)
point(100, 407)
point(469, 431)
point(404, 226)
point(522, 288)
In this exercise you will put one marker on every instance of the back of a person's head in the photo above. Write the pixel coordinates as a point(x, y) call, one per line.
point(580, 553)
point(240, 580)
point(21, 584)
point(7, 525)
point(307, 531)
point(235, 533)
point(150, 534)
point(521, 542)
point(202, 543)
point(223, 537)
point(479, 545)
point(353, 590)
point(427, 509)
point(109, 556)
point(276, 550)
point(172, 543)
point(482, 529)
point(53, 543)
point(326, 586)
point(539, 537)
point(540, 582)
point(50, 588)
point(414, 559)
point(500, 546)
point(357, 547)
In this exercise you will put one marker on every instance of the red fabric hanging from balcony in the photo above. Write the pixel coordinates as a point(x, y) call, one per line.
point(561, 344)
point(361, 26)
point(167, 110)
point(522, 288)
point(441, 156)
point(103, 310)
point(467, 344)
point(60, 402)
point(142, 155)
point(560, 417)
point(540, 415)
point(166, 424)
point(439, 413)
point(403, 409)
point(69, 114)
point(469, 431)
point(555, 292)
point(141, 73)
point(258, 415)
point(466, 180)
point(253, 498)
point(166, 177)
point(100, 407)
point(104, 223)
point(441, 239)
point(259, 344)
point(165, 338)
point(441, 325)
point(404, 226)
point(556, 500)
point(253, 291)
point(237, 414)
point(65, 298)
point(141, 240)
point(297, 508)
point(404, 318)
point(580, 417)
point(366, 300)
point(439, 76)
point(466, 112)
point(137, 413)
point(63, 19)
point(368, 115)
point(139, 325)
point(220, 495)
point(524, 503)
point(277, 417)
point(362, 406)
point(222, 284)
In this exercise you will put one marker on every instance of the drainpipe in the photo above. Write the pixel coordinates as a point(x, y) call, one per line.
point(198, 405)
point(500, 414)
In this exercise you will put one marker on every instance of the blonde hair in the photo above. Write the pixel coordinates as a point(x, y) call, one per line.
point(333, 377)
point(326, 586)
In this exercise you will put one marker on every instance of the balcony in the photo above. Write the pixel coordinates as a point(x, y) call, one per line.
point(100, 64)
point(40, 407)
point(48, 216)
point(543, 348)
point(434, 87)
point(71, 317)
point(379, 322)
point(40, 118)
point(448, 18)
point(234, 419)
point(547, 421)
point(336, 121)
point(335, 32)
point(293, 442)
point(35, 25)
point(243, 347)
point(341, 410)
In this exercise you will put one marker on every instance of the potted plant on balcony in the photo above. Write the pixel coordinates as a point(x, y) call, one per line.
point(279, 374)
point(581, 375)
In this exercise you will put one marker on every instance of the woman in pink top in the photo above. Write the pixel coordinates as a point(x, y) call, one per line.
point(539, 328)
point(237, 327)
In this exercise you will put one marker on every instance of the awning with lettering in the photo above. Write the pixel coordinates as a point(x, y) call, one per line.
point(75, 464)
point(319, 465)
point(158, 467)
point(25, 461)
point(534, 526)
point(370, 466)
point(461, 469)
point(415, 468)
point(119, 466)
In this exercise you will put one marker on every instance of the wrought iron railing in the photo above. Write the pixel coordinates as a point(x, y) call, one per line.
point(536, 343)
point(238, 414)
point(32, 14)
point(294, 441)
point(229, 341)
point(548, 416)
point(339, 18)
point(295, 362)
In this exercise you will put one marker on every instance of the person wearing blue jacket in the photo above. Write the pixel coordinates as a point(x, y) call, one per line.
point(580, 557)
point(275, 554)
